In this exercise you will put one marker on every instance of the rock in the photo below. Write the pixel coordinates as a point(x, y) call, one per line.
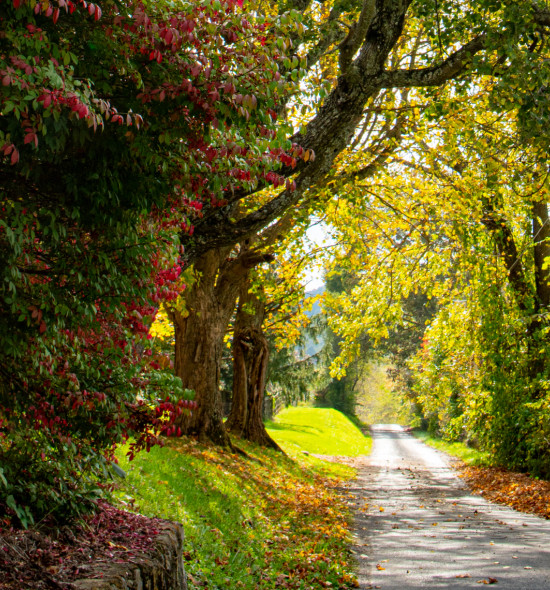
point(159, 569)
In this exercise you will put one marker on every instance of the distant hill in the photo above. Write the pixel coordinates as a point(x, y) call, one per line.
point(316, 309)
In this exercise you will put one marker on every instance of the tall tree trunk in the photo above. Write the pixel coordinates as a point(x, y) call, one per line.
point(541, 244)
point(199, 332)
point(541, 252)
point(250, 359)
point(504, 239)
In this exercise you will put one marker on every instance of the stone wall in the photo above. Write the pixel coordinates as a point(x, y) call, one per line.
point(159, 569)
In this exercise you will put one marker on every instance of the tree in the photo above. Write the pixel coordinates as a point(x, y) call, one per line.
point(269, 317)
point(199, 332)
point(250, 361)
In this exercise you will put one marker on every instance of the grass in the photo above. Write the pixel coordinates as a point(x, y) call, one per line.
point(322, 431)
point(260, 522)
point(456, 449)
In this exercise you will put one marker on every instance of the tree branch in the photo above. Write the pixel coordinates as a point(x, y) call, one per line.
point(351, 44)
point(437, 75)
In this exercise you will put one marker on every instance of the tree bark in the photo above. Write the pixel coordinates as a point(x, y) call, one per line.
point(250, 359)
point(199, 332)
point(503, 237)
point(541, 245)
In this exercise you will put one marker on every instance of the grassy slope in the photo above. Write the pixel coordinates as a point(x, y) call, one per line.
point(262, 522)
point(455, 449)
point(318, 430)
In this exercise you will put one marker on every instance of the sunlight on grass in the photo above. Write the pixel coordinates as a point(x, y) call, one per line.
point(323, 431)
point(456, 449)
point(258, 522)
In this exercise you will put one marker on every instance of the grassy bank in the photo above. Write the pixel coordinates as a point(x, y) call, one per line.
point(456, 449)
point(323, 431)
point(259, 522)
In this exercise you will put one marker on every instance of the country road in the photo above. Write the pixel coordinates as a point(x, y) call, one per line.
point(418, 526)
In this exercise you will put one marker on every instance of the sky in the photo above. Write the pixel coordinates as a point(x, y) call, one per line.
point(318, 235)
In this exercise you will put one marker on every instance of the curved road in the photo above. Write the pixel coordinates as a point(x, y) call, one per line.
point(418, 526)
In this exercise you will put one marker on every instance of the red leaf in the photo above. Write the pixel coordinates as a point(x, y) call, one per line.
point(14, 156)
point(42, 328)
point(97, 13)
point(55, 15)
point(91, 8)
point(16, 4)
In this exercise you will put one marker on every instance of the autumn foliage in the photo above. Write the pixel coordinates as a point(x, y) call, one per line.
point(120, 123)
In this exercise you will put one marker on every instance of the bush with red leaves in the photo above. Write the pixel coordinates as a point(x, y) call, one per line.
point(119, 123)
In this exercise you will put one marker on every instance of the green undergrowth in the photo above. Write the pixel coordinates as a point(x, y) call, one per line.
point(260, 522)
point(459, 450)
point(322, 431)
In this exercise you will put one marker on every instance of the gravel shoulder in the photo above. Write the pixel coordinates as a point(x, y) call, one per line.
point(418, 525)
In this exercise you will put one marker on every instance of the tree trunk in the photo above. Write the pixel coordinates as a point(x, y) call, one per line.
point(250, 359)
point(541, 244)
point(504, 239)
point(199, 332)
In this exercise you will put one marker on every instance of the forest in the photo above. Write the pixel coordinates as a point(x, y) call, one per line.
point(161, 165)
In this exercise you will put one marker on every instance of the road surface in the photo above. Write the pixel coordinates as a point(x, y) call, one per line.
point(418, 526)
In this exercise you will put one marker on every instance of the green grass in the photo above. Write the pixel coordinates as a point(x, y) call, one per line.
point(456, 449)
point(260, 522)
point(322, 431)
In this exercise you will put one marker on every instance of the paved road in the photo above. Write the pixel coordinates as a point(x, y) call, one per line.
point(418, 526)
